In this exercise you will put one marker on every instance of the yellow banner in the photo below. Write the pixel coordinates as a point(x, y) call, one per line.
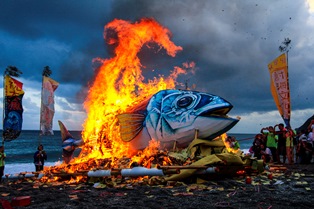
point(279, 86)
point(13, 87)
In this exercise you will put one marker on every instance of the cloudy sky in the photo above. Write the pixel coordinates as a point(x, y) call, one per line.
point(231, 43)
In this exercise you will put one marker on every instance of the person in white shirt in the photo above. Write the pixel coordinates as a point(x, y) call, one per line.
point(266, 154)
point(310, 128)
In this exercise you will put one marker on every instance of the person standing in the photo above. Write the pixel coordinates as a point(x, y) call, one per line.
point(39, 158)
point(304, 152)
point(310, 135)
point(281, 147)
point(271, 141)
point(289, 146)
point(2, 162)
point(256, 148)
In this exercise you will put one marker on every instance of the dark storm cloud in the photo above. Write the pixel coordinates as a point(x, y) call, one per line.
point(231, 43)
point(64, 35)
point(58, 19)
point(70, 24)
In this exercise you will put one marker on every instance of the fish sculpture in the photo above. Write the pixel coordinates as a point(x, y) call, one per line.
point(69, 144)
point(173, 116)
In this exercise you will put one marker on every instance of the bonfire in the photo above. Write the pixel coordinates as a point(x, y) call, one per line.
point(118, 86)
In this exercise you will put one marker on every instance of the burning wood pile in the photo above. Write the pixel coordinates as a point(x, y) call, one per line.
point(132, 119)
point(159, 167)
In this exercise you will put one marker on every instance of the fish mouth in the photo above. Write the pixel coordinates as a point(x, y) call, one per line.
point(222, 120)
point(220, 111)
point(212, 106)
point(219, 120)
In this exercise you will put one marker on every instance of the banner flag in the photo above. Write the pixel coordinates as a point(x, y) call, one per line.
point(279, 86)
point(13, 109)
point(47, 105)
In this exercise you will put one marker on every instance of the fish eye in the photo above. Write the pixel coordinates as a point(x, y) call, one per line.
point(185, 101)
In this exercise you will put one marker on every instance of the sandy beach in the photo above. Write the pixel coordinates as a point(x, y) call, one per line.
point(289, 186)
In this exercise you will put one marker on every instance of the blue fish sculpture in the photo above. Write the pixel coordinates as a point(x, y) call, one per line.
point(173, 116)
point(69, 144)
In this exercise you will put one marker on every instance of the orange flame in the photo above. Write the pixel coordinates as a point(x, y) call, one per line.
point(119, 85)
point(147, 153)
point(229, 144)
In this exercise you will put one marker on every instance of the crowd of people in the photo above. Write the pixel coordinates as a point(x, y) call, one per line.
point(280, 144)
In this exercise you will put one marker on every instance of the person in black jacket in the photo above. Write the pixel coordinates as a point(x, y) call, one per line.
point(39, 158)
point(281, 148)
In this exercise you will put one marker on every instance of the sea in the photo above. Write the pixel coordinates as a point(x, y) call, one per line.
point(21, 150)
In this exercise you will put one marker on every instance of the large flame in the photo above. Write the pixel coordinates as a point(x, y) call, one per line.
point(120, 84)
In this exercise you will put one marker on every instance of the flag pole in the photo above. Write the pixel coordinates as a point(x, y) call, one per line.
point(3, 107)
point(41, 104)
point(289, 126)
point(285, 47)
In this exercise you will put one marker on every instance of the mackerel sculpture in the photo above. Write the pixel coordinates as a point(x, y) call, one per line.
point(173, 116)
point(170, 117)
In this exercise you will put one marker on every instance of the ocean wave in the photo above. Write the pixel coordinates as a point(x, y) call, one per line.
point(24, 167)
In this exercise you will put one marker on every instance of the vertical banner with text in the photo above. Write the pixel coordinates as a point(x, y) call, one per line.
point(279, 86)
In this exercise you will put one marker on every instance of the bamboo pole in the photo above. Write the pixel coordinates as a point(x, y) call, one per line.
point(142, 171)
point(41, 104)
point(288, 86)
point(132, 172)
point(3, 108)
point(129, 172)
point(245, 139)
point(200, 168)
point(184, 167)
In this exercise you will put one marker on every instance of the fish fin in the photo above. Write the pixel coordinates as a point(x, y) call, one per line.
point(67, 153)
point(67, 156)
point(65, 134)
point(130, 125)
